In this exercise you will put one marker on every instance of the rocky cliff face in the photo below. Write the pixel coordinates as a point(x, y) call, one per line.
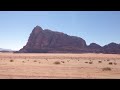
point(43, 41)
point(50, 41)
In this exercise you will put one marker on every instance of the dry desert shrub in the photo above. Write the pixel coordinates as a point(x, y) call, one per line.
point(35, 60)
point(106, 69)
point(99, 61)
point(86, 62)
point(90, 62)
point(108, 60)
point(62, 61)
point(115, 63)
point(110, 63)
point(56, 62)
point(11, 60)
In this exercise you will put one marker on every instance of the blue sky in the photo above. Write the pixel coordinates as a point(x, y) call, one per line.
point(101, 27)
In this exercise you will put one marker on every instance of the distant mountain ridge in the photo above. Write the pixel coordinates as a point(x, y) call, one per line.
point(2, 49)
point(48, 41)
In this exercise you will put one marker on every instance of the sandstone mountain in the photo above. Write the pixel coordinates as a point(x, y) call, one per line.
point(94, 48)
point(112, 48)
point(48, 41)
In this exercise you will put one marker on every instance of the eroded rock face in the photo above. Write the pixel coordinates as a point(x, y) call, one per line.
point(50, 41)
point(43, 41)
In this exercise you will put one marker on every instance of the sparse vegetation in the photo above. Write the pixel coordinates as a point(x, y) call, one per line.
point(99, 61)
point(35, 60)
point(11, 60)
point(56, 62)
point(62, 61)
point(108, 60)
point(106, 69)
point(86, 62)
point(90, 62)
point(115, 63)
point(61, 64)
point(110, 63)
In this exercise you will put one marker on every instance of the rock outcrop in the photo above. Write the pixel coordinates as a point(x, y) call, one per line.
point(94, 48)
point(112, 48)
point(48, 41)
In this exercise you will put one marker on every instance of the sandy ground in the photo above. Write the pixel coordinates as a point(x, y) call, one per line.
point(70, 66)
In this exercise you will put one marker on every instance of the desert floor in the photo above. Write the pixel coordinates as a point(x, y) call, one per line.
point(59, 66)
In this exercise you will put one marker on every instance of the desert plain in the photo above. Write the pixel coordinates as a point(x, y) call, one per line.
point(59, 66)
